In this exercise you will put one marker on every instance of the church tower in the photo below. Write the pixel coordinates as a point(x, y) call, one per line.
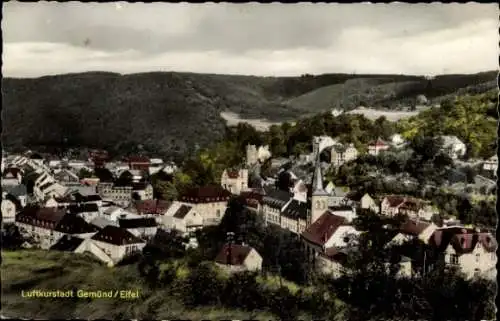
point(319, 198)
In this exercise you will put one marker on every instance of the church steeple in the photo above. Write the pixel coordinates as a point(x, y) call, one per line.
point(317, 184)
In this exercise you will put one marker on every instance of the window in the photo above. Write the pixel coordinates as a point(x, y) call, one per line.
point(453, 259)
point(477, 272)
point(217, 213)
point(477, 257)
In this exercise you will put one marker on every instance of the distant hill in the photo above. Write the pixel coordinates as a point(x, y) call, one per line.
point(169, 112)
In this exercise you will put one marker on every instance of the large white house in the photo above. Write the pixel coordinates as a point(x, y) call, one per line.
point(208, 201)
point(182, 217)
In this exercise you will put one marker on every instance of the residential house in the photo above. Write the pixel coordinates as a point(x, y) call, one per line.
point(453, 146)
point(11, 176)
point(87, 211)
point(139, 162)
point(273, 203)
point(112, 244)
point(114, 213)
point(151, 208)
point(182, 217)
point(341, 154)
point(45, 226)
point(142, 191)
point(367, 202)
point(378, 146)
point(393, 205)
point(413, 229)
point(143, 227)
point(121, 195)
point(235, 181)
point(473, 253)
point(238, 258)
point(208, 201)
point(294, 216)
point(66, 176)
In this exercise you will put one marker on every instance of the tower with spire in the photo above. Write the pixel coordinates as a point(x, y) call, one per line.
point(319, 197)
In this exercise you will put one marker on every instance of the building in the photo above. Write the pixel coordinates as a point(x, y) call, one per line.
point(11, 176)
point(45, 226)
point(252, 200)
point(182, 217)
point(144, 228)
point(397, 141)
point(341, 154)
point(151, 208)
point(121, 195)
point(209, 201)
point(378, 146)
point(472, 252)
point(235, 181)
point(294, 216)
point(491, 164)
point(66, 176)
point(273, 204)
point(393, 205)
point(10, 206)
point(112, 244)
point(139, 163)
point(453, 146)
point(238, 258)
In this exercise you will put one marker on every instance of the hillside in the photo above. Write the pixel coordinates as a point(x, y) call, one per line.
point(168, 112)
point(36, 269)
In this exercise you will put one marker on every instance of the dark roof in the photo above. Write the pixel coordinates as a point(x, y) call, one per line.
point(320, 231)
point(158, 207)
point(139, 186)
point(277, 198)
point(206, 194)
point(466, 242)
point(104, 175)
point(11, 172)
point(296, 210)
point(48, 214)
point(72, 224)
point(182, 211)
point(14, 200)
point(137, 222)
point(413, 227)
point(46, 185)
point(233, 174)
point(233, 255)
point(67, 243)
point(340, 208)
point(83, 208)
point(116, 235)
point(334, 254)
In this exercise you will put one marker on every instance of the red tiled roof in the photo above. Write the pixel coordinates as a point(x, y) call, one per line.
point(413, 227)
point(235, 255)
point(46, 217)
point(138, 159)
point(158, 207)
point(379, 143)
point(206, 194)
point(323, 229)
point(233, 174)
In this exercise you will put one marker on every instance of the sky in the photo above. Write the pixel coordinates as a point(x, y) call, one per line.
point(45, 38)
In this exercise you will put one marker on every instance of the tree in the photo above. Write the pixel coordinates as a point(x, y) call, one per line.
point(84, 173)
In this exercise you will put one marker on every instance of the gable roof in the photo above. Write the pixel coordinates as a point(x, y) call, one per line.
point(137, 222)
point(233, 255)
point(182, 211)
point(296, 210)
point(466, 242)
point(157, 207)
point(206, 194)
point(323, 228)
point(116, 236)
point(48, 214)
point(72, 224)
point(83, 208)
point(67, 243)
point(11, 172)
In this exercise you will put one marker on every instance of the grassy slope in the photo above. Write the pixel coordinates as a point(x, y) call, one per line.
point(36, 269)
point(169, 112)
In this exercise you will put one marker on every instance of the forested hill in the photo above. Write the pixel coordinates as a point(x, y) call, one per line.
point(169, 112)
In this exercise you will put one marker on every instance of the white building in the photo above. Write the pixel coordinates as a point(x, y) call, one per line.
point(235, 181)
point(453, 146)
point(182, 217)
point(341, 154)
point(144, 228)
point(238, 258)
point(208, 201)
point(491, 164)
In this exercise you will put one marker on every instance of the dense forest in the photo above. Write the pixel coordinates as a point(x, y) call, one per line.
point(169, 113)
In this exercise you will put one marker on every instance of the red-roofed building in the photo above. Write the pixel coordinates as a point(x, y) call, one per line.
point(139, 163)
point(474, 253)
point(374, 148)
point(209, 201)
point(252, 200)
point(238, 258)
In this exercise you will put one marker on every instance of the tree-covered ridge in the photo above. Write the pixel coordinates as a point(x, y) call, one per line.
point(472, 118)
